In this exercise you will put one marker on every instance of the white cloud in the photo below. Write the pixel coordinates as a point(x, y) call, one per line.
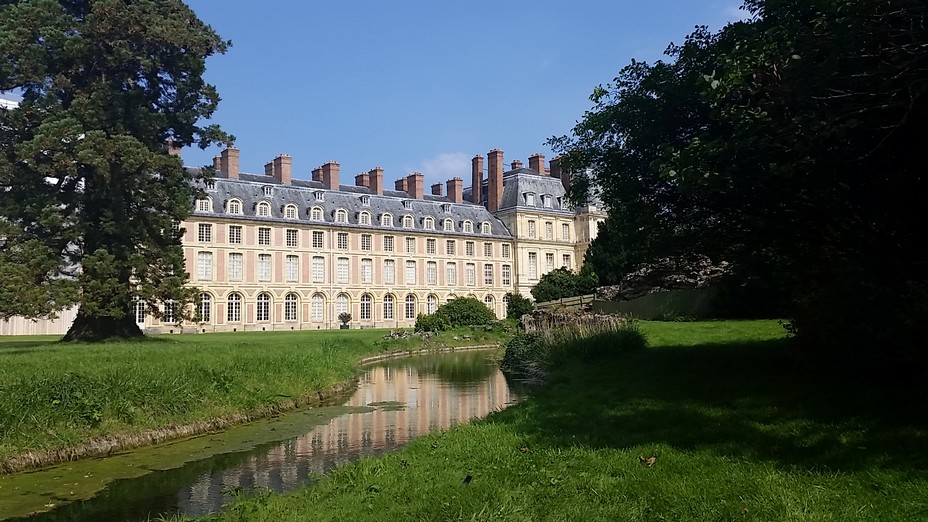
point(734, 13)
point(445, 166)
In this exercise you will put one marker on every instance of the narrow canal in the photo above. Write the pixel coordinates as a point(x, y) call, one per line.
point(396, 401)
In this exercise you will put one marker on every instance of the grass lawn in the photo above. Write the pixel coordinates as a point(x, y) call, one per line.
point(55, 396)
point(735, 432)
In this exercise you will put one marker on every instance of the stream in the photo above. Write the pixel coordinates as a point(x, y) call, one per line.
point(396, 401)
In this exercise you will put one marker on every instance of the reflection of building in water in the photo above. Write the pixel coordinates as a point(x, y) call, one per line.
point(429, 405)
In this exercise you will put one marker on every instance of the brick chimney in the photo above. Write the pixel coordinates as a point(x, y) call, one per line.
point(283, 169)
point(476, 186)
point(415, 185)
point(362, 180)
point(556, 172)
point(376, 180)
point(455, 188)
point(536, 162)
point(516, 164)
point(400, 185)
point(317, 174)
point(330, 175)
point(269, 168)
point(228, 162)
point(494, 179)
point(217, 164)
point(436, 189)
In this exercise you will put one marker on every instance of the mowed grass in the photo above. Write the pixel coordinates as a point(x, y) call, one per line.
point(56, 395)
point(736, 432)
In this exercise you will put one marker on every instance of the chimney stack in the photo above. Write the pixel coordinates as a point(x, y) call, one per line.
point(476, 186)
point(317, 174)
point(376, 180)
point(283, 169)
point(362, 180)
point(269, 168)
point(330, 175)
point(536, 162)
point(556, 172)
point(400, 185)
point(455, 188)
point(516, 164)
point(415, 185)
point(228, 162)
point(494, 179)
point(436, 189)
point(217, 164)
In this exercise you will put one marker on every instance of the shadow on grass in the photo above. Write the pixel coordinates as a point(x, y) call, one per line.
point(741, 399)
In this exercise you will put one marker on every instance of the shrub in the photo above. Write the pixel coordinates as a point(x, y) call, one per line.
point(463, 311)
point(561, 283)
point(518, 305)
point(430, 323)
point(344, 317)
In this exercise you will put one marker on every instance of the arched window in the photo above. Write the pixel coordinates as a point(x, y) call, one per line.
point(407, 222)
point(204, 204)
point(316, 214)
point(367, 303)
point(317, 307)
point(491, 304)
point(485, 228)
point(264, 209)
point(235, 207)
point(205, 308)
point(389, 305)
point(290, 307)
point(341, 304)
point(290, 211)
point(506, 303)
point(234, 308)
point(468, 226)
point(451, 297)
point(449, 225)
point(411, 306)
point(263, 310)
point(364, 218)
point(431, 304)
point(386, 220)
point(428, 223)
point(341, 216)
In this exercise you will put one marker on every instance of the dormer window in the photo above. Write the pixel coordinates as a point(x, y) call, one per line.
point(407, 222)
point(546, 200)
point(210, 185)
point(268, 190)
point(290, 211)
point(366, 200)
point(428, 223)
point(341, 216)
point(529, 198)
point(560, 202)
point(446, 209)
point(264, 209)
point(468, 226)
point(319, 195)
point(316, 214)
point(204, 204)
point(449, 225)
point(235, 207)
point(407, 204)
point(364, 218)
point(386, 220)
point(485, 228)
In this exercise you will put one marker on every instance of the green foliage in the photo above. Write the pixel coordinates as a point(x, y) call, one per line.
point(93, 195)
point(561, 282)
point(344, 317)
point(789, 145)
point(463, 311)
point(518, 305)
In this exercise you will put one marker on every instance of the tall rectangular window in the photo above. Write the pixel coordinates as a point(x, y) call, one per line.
point(318, 269)
point(341, 241)
point(235, 234)
point(389, 271)
point(470, 274)
point(549, 230)
point(533, 265)
point(488, 250)
point(451, 274)
point(264, 236)
point(469, 248)
point(507, 275)
point(388, 243)
point(566, 262)
point(451, 247)
point(549, 261)
point(236, 260)
point(565, 232)
point(431, 273)
point(410, 272)
point(293, 268)
point(293, 238)
point(204, 233)
point(264, 267)
point(430, 246)
point(205, 266)
point(318, 239)
point(506, 250)
point(366, 242)
point(488, 274)
point(342, 270)
point(410, 245)
point(367, 271)
point(531, 228)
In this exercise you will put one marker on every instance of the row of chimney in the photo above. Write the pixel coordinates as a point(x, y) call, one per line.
point(280, 168)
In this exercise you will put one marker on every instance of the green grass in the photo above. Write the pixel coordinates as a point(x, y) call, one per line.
point(737, 432)
point(56, 395)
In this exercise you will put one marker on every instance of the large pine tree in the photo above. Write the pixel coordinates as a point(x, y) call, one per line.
point(89, 195)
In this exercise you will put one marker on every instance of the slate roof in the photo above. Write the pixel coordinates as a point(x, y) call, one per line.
point(249, 188)
point(520, 181)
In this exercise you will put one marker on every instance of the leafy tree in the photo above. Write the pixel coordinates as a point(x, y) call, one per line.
point(518, 305)
point(463, 311)
point(92, 198)
point(561, 282)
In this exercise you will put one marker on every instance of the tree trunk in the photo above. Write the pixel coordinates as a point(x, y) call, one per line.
point(86, 328)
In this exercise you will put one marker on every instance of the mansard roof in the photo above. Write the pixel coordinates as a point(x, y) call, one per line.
point(249, 189)
point(518, 182)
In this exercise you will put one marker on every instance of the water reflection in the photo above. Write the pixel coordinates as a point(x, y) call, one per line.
point(412, 397)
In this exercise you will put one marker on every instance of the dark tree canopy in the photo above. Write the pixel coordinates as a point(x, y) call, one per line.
point(561, 282)
point(789, 145)
point(90, 198)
